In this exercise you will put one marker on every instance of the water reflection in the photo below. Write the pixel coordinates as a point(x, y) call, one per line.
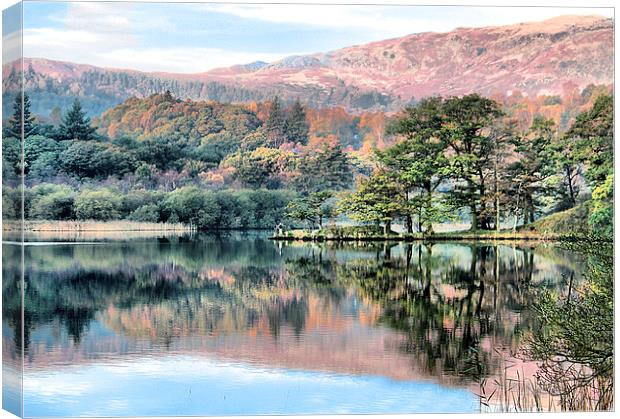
point(398, 319)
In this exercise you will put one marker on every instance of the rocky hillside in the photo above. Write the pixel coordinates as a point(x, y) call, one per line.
point(532, 58)
point(535, 58)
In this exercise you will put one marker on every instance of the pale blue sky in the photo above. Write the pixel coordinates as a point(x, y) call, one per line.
point(197, 37)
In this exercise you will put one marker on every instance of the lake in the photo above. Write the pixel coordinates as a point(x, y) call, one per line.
point(236, 324)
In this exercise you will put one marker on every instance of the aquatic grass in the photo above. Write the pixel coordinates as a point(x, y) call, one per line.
point(573, 389)
point(90, 225)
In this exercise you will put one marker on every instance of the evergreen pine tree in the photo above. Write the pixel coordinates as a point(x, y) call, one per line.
point(296, 125)
point(75, 125)
point(14, 128)
point(276, 124)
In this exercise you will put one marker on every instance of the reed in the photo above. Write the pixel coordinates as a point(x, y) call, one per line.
point(94, 226)
point(513, 391)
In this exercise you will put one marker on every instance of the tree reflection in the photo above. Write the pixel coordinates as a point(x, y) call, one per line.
point(451, 305)
point(456, 306)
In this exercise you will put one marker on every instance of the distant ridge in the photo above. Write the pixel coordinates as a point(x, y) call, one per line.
point(538, 58)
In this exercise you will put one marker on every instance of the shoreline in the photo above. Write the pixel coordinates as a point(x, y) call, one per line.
point(447, 236)
point(117, 228)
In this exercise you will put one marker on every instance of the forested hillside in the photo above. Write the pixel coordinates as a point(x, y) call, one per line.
point(214, 165)
point(53, 86)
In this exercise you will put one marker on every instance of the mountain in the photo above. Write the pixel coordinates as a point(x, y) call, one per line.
point(535, 59)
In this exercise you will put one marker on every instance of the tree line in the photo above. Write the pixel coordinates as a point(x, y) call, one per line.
point(72, 171)
point(448, 158)
point(463, 155)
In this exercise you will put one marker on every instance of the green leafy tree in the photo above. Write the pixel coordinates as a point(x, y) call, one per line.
point(11, 157)
point(377, 199)
point(467, 131)
point(535, 164)
point(11, 203)
point(146, 174)
point(163, 152)
point(76, 125)
point(593, 140)
point(90, 159)
point(418, 163)
point(297, 127)
point(229, 212)
point(601, 218)
point(37, 147)
point(311, 208)
point(260, 168)
point(592, 144)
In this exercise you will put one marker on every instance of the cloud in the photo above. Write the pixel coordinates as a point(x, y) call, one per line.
point(152, 37)
point(369, 18)
point(11, 47)
point(109, 35)
point(85, 30)
point(182, 60)
point(53, 44)
point(389, 21)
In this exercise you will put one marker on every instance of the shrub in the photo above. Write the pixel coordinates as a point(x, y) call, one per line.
point(57, 205)
point(133, 200)
point(192, 206)
point(11, 203)
point(101, 204)
point(146, 213)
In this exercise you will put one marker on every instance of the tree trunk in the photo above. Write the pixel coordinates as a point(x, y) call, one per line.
point(429, 208)
point(474, 217)
point(387, 227)
point(571, 189)
point(484, 223)
point(409, 224)
point(496, 191)
point(497, 217)
point(472, 207)
point(530, 210)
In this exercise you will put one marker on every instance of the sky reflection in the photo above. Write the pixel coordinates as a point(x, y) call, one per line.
point(185, 385)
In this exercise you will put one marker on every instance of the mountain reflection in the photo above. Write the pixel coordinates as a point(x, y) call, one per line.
point(439, 311)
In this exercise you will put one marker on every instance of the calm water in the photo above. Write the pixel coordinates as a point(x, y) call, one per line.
point(238, 324)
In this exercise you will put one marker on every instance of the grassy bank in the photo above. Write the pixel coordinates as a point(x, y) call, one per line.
point(360, 234)
point(572, 222)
